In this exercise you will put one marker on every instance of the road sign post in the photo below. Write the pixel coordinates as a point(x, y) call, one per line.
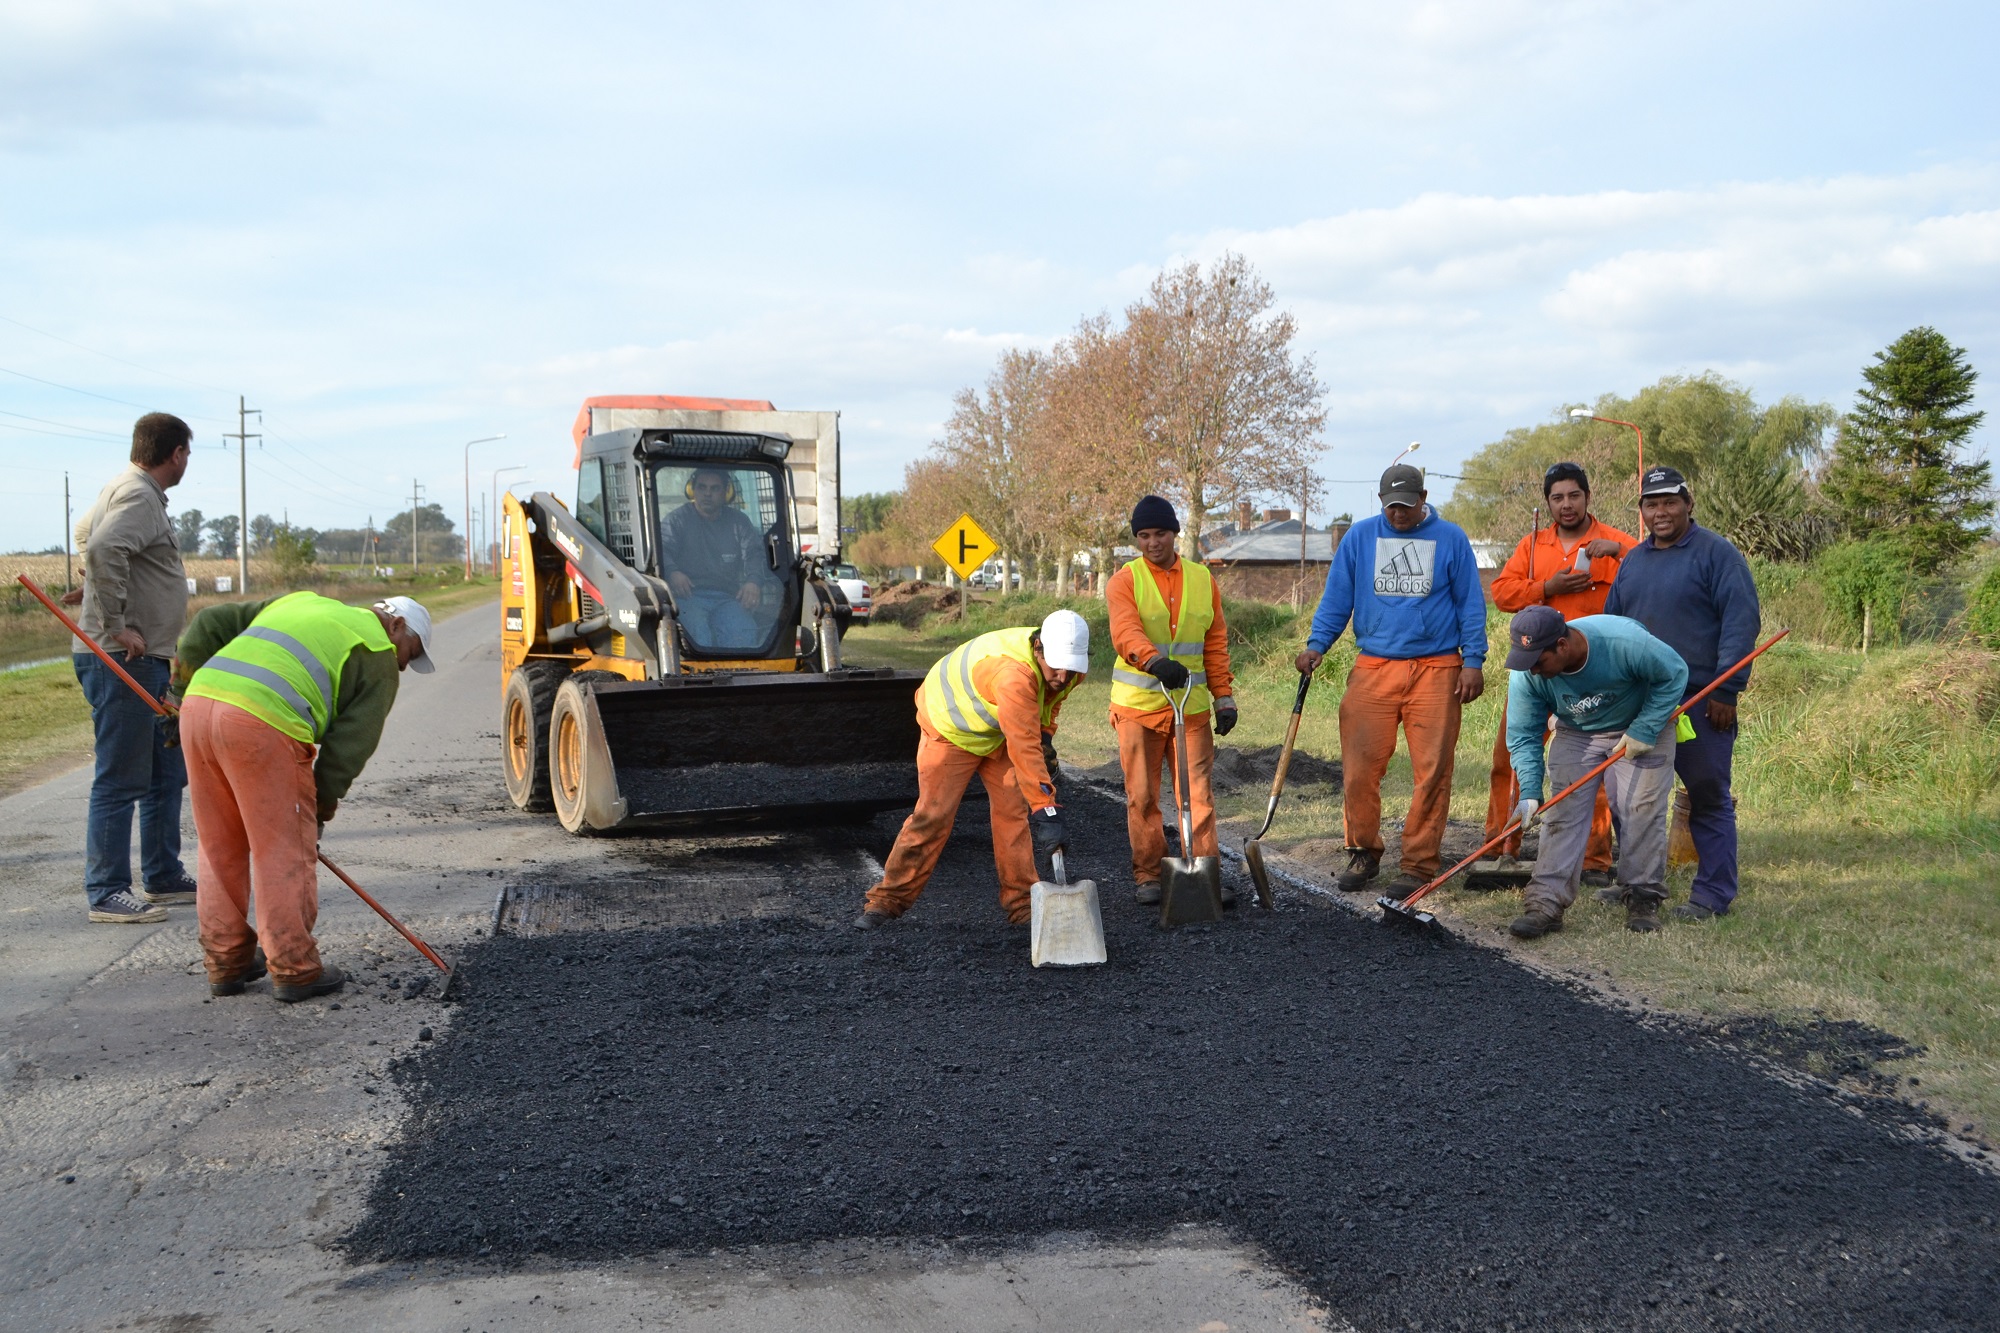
point(965, 546)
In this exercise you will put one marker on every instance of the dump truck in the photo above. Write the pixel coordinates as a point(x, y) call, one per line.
point(670, 643)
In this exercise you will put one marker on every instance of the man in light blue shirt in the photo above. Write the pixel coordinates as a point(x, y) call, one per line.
point(1605, 681)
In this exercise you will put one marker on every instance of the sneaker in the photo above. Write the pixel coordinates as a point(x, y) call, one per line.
point(1361, 867)
point(249, 974)
point(872, 920)
point(122, 909)
point(1147, 894)
point(1642, 910)
point(329, 980)
point(1535, 923)
point(1402, 886)
point(1695, 912)
point(176, 892)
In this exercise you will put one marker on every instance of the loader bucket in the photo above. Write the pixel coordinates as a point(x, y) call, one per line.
point(756, 748)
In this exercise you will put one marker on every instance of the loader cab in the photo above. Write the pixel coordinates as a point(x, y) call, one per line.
point(710, 515)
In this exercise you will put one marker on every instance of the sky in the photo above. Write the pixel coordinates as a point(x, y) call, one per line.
point(396, 229)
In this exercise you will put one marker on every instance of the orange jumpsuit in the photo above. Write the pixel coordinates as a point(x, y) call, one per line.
point(1016, 780)
point(1519, 585)
point(1146, 736)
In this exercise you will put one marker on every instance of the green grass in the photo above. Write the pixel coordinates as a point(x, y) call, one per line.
point(1869, 814)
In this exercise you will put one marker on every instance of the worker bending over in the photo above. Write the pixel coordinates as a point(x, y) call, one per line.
point(1604, 680)
point(1569, 567)
point(266, 682)
point(987, 707)
point(1167, 629)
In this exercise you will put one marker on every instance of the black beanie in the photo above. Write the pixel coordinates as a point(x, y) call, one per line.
point(1153, 512)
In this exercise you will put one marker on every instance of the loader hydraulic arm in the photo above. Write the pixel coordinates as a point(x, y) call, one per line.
point(630, 603)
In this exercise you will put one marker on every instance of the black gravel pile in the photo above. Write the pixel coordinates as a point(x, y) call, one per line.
point(1429, 1136)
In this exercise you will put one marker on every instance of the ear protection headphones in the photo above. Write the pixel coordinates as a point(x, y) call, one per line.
point(730, 494)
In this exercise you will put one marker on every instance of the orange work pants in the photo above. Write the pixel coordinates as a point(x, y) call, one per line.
point(1421, 695)
point(1142, 747)
point(256, 814)
point(943, 770)
point(1504, 794)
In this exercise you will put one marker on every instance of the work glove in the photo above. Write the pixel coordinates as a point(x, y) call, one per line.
point(1527, 812)
point(170, 722)
point(1047, 828)
point(1167, 671)
point(1636, 748)
point(1225, 716)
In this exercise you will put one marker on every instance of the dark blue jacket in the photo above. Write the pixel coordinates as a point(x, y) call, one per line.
point(1698, 596)
point(1409, 594)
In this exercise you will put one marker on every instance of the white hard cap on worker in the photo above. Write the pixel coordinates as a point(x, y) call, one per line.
point(419, 620)
point(1066, 641)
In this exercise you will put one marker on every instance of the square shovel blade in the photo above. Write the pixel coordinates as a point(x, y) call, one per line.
point(1065, 927)
point(1190, 890)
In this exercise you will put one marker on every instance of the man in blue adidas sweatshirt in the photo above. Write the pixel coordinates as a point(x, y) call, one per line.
point(1407, 581)
point(1691, 588)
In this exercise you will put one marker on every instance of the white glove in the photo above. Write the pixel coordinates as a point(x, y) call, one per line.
point(1526, 812)
point(1636, 748)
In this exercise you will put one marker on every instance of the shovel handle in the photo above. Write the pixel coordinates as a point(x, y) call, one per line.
point(1057, 868)
point(385, 914)
point(90, 643)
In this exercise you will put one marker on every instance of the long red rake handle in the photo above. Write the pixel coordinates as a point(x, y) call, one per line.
point(165, 711)
point(1609, 760)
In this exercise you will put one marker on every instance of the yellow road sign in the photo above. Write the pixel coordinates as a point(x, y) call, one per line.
point(965, 546)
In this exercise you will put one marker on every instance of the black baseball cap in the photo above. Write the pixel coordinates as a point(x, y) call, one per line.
point(1661, 481)
point(1403, 485)
point(1565, 472)
point(1533, 632)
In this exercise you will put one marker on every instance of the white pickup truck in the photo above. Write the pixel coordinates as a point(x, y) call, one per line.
point(859, 595)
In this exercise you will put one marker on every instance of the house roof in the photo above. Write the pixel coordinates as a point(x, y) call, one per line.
point(1274, 548)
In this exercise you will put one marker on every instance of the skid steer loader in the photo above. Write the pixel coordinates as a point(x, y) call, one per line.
point(670, 647)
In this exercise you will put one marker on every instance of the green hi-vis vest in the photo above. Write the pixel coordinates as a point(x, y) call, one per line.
point(956, 708)
point(1131, 687)
point(285, 668)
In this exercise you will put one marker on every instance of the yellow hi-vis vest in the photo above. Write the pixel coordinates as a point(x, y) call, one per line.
point(1131, 687)
point(956, 708)
point(284, 669)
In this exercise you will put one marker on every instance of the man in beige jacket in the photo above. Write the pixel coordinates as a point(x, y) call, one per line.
point(135, 606)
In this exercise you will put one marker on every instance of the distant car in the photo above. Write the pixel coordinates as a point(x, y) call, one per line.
point(859, 595)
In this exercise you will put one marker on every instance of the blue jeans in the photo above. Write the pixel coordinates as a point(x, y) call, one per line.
point(1704, 765)
point(717, 620)
point(134, 767)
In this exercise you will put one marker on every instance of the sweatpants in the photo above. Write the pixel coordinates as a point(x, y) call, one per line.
point(1704, 765)
point(1504, 793)
point(1141, 750)
point(943, 770)
point(256, 816)
point(1421, 695)
point(1641, 791)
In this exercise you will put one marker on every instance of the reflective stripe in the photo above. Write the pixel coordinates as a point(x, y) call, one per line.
point(1179, 649)
point(977, 704)
point(314, 667)
point(1142, 681)
point(270, 680)
point(950, 700)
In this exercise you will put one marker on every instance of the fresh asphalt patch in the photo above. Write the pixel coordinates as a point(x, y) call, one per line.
point(1427, 1134)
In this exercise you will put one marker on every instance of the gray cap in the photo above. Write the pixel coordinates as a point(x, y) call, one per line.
point(1533, 632)
point(1403, 485)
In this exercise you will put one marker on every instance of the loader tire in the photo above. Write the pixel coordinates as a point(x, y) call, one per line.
point(525, 708)
point(564, 771)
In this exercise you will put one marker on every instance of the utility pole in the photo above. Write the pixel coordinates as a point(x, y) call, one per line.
point(484, 439)
point(69, 571)
point(243, 438)
point(414, 500)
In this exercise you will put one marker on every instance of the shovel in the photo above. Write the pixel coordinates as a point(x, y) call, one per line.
point(1065, 928)
point(1253, 848)
point(1190, 886)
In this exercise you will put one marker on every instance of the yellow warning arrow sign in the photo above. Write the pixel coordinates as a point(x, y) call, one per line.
point(965, 546)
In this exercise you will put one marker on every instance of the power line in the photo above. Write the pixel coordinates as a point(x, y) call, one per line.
point(71, 388)
point(108, 357)
point(66, 425)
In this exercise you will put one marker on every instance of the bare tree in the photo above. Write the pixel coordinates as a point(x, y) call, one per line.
point(1099, 462)
point(999, 437)
point(1225, 408)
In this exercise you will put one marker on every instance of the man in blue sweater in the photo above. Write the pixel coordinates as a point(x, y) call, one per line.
point(1606, 682)
point(1407, 581)
point(1692, 589)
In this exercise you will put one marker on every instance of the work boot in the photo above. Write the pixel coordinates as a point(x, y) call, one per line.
point(176, 892)
point(1402, 886)
point(1642, 910)
point(1695, 912)
point(1147, 894)
point(329, 980)
point(872, 920)
point(1228, 895)
point(1597, 879)
point(122, 909)
point(1610, 896)
point(249, 974)
point(1536, 922)
point(1361, 867)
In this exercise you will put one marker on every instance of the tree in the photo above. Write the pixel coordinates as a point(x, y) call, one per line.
point(865, 513)
point(1898, 470)
point(187, 531)
point(292, 551)
point(262, 529)
point(222, 535)
point(1223, 406)
point(1099, 461)
point(997, 440)
point(434, 534)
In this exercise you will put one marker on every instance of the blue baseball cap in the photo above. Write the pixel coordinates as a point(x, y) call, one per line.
point(1533, 632)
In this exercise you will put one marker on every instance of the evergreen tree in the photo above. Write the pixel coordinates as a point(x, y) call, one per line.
point(187, 531)
point(1898, 471)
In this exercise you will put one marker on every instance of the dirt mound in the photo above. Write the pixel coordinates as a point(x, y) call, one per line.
point(908, 603)
point(1255, 768)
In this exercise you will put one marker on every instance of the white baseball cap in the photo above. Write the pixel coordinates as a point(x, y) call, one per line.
point(413, 614)
point(1066, 641)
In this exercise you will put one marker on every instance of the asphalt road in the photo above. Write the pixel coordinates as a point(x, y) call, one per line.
point(168, 1162)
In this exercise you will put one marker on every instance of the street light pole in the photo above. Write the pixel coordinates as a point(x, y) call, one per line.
point(517, 467)
point(484, 439)
point(1585, 414)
